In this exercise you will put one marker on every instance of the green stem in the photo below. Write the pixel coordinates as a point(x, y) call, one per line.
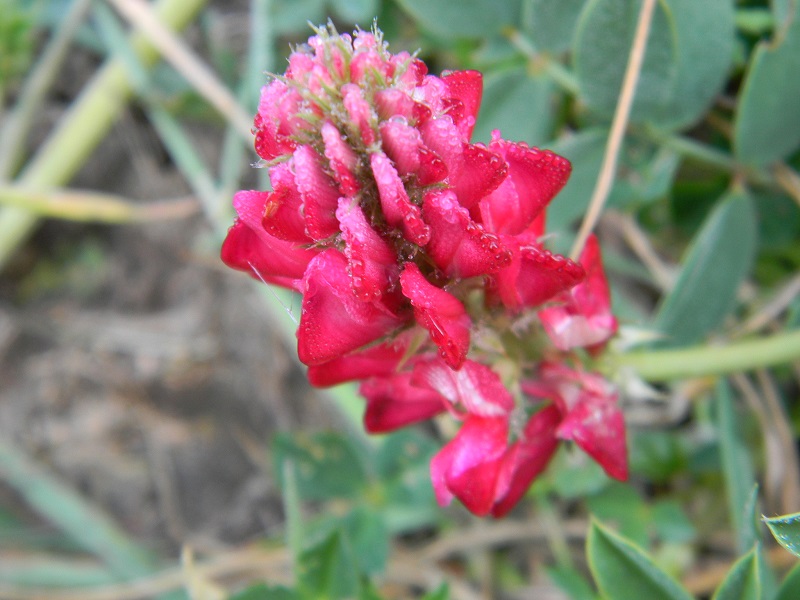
point(84, 126)
point(699, 361)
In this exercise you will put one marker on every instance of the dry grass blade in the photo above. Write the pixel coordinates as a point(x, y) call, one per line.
point(608, 169)
point(88, 206)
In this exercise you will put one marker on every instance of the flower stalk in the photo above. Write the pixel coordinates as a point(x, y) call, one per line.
point(706, 360)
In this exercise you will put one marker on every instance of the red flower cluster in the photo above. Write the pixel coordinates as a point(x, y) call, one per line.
point(419, 259)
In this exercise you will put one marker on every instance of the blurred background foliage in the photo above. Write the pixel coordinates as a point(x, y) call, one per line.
point(701, 236)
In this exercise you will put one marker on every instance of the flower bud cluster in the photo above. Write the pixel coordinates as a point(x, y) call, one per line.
point(419, 258)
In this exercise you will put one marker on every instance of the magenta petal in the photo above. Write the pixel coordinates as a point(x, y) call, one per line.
point(341, 158)
point(274, 262)
point(392, 102)
point(596, 425)
point(534, 178)
point(526, 459)
point(360, 113)
point(481, 173)
point(584, 319)
point(458, 246)
point(276, 120)
point(319, 192)
point(402, 144)
point(442, 137)
point(397, 208)
point(282, 213)
point(393, 402)
point(467, 88)
point(441, 313)
point(376, 361)
point(468, 466)
point(371, 262)
point(249, 248)
point(334, 322)
point(475, 388)
point(534, 276)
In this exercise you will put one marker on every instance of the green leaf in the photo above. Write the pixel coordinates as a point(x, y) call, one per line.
point(705, 42)
point(467, 18)
point(624, 572)
point(585, 152)
point(327, 465)
point(671, 523)
point(754, 21)
point(518, 104)
point(737, 467)
point(369, 538)
point(645, 173)
point(328, 570)
point(713, 267)
point(621, 505)
point(551, 25)
point(786, 529)
point(789, 585)
point(767, 124)
point(603, 42)
point(743, 581)
point(572, 582)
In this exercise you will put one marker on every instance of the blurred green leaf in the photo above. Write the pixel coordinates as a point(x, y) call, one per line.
point(361, 12)
point(572, 582)
point(671, 523)
point(705, 37)
point(16, 42)
point(328, 570)
point(645, 173)
point(579, 478)
point(551, 25)
point(467, 18)
point(366, 531)
point(716, 263)
point(778, 220)
point(585, 151)
point(518, 104)
point(789, 585)
point(624, 572)
point(786, 529)
point(440, 593)
point(657, 455)
point(293, 16)
point(621, 505)
point(602, 44)
point(754, 20)
point(327, 465)
point(265, 592)
point(737, 467)
point(743, 581)
point(767, 124)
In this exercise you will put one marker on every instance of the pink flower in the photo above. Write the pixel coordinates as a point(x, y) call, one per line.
point(419, 256)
